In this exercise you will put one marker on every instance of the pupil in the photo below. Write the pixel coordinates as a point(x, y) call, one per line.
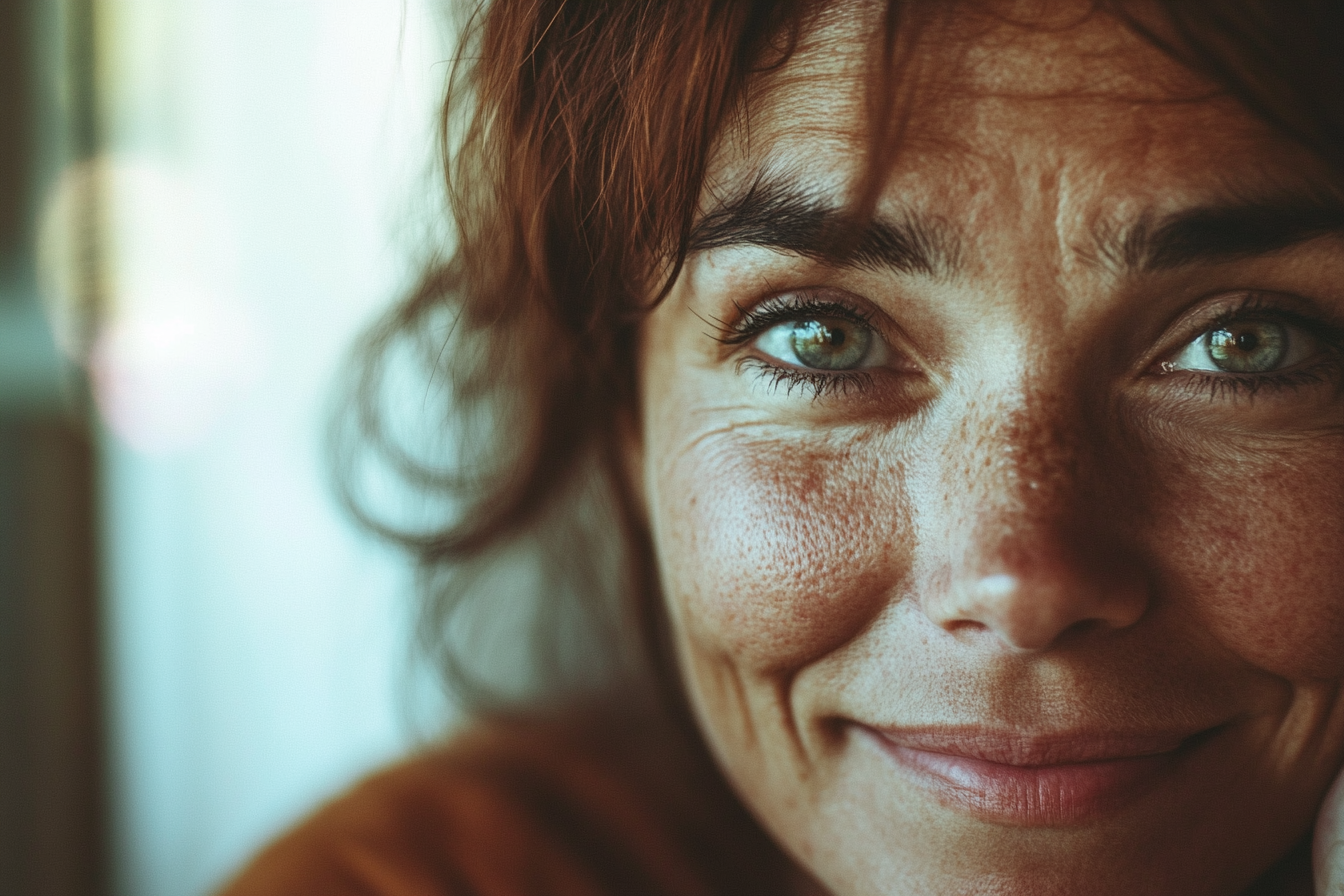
point(1249, 347)
point(830, 344)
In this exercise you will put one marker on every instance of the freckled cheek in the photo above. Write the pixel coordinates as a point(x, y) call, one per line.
point(1262, 557)
point(775, 556)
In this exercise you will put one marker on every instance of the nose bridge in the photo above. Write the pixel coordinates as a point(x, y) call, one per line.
point(1026, 472)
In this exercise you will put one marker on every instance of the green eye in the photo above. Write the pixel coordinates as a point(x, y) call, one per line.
point(1248, 347)
point(829, 344)
point(823, 343)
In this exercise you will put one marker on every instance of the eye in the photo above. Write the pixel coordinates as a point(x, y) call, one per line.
point(823, 343)
point(1247, 346)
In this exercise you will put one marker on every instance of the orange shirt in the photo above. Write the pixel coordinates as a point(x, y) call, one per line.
point(588, 806)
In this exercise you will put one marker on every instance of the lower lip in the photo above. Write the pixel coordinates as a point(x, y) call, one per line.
point(1032, 796)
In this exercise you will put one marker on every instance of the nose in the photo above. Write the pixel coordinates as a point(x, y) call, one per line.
point(1030, 595)
point(1031, 535)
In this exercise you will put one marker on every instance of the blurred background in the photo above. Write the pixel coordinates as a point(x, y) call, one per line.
point(201, 203)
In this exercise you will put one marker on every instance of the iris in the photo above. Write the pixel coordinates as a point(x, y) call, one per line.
point(830, 344)
point(1247, 346)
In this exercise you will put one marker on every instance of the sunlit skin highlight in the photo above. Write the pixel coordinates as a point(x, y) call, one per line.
point(1027, 528)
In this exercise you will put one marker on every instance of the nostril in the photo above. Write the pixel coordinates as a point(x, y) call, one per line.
point(1033, 612)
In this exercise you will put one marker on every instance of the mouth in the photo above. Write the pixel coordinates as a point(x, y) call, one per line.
point(1036, 780)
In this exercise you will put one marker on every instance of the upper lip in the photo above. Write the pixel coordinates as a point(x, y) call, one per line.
point(1032, 749)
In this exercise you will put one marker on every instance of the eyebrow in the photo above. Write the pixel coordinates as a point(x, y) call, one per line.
point(1220, 233)
point(786, 218)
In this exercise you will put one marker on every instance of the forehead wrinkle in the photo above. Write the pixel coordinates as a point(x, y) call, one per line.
point(799, 102)
point(800, 112)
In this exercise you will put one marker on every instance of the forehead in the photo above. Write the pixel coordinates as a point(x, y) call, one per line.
point(998, 103)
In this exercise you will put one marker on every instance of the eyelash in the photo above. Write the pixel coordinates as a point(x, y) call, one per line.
point(751, 322)
point(1256, 305)
point(820, 385)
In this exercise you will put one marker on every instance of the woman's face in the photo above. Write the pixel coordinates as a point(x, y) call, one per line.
point(1003, 555)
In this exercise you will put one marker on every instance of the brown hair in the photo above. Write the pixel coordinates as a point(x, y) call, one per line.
point(576, 137)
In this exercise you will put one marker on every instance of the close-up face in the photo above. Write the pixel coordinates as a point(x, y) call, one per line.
point(1002, 550)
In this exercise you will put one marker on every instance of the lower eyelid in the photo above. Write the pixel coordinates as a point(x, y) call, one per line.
point(1321, 370)
point(819, 383)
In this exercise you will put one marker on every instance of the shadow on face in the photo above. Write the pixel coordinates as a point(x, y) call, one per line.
point(1002, 547)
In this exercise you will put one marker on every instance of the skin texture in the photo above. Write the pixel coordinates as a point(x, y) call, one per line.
point(1018, 519)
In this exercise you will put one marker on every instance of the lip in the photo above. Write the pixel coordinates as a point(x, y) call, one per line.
point(1036, 780)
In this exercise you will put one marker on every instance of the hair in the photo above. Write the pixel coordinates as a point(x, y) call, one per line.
point(575, 138)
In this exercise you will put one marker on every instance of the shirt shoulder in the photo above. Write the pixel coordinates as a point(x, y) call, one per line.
point(588, 806)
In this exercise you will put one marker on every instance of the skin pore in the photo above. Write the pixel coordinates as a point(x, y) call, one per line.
point(1003, 554)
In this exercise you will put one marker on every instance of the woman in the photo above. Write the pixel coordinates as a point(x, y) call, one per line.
point(962, 383)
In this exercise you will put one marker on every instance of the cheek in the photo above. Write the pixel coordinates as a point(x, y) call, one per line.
point(1261, 552)
point(774, 553)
